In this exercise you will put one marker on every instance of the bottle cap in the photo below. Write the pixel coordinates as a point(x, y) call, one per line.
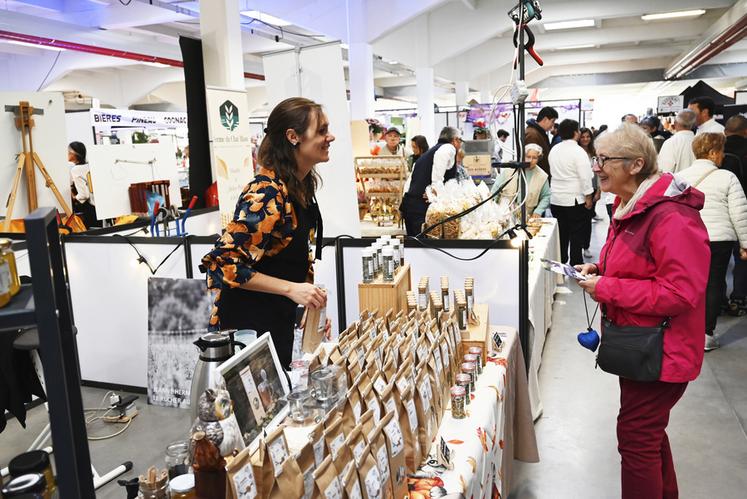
point(182, 483)
point(388, 251)
point(367, 252)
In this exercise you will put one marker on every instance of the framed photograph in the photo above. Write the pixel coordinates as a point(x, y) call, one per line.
point(258, 388)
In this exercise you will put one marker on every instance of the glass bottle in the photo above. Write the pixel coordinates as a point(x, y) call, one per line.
point(6, 253)
point(394, 244)
point(368, 266)
point(388, 256)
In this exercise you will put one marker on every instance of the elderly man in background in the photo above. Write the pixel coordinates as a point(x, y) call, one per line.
point(392, 146)
point(677, 152)
point(434, 167)
point(704, 108)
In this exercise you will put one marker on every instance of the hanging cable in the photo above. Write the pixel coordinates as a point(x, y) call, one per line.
point(142, 259)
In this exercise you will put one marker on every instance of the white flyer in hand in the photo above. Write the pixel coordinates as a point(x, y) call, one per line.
point(563, 269)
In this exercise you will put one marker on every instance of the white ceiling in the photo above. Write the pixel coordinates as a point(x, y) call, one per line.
point(463, 40)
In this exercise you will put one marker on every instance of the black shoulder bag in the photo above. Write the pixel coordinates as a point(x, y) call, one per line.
point(631, 352)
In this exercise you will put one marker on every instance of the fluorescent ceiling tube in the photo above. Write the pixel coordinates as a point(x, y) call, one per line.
point(672, 15)
point(35, 45)
point(266, 18)
point(156, 64)
point(576, 47)
point(580, 23)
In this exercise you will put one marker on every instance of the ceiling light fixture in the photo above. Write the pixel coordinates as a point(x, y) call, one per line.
point(266, 18)
point(673, 15)
point(576, 47)
point(156, 64)
point(35, 45)
point(580, 23)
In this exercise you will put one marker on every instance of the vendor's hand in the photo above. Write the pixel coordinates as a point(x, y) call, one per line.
point(308, 295)
point(328, 330)
point(587, 268)
point(589, 202)
point(590, 285)
point(743, 254)
point(534, 215)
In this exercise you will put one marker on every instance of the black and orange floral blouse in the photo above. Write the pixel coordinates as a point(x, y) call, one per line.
point(262, 226)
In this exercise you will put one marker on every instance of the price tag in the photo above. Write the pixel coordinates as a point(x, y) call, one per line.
point(497, 341)
point(444, 454)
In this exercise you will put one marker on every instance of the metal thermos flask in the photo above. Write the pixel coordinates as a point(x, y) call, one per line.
point(215, 349)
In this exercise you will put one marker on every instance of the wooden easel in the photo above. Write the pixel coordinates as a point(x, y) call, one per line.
point(26, 161)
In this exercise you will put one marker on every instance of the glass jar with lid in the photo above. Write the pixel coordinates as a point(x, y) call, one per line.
point(177, 458)
point(183, 487)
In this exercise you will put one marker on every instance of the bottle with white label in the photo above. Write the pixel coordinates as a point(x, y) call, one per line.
point(388, 264)
point(368, 265)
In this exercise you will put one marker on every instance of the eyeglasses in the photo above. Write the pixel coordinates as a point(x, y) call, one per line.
point(601, 160)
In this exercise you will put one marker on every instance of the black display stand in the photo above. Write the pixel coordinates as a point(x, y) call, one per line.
point(51, 312)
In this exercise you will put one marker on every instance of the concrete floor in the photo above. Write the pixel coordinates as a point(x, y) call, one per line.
point(576, 433)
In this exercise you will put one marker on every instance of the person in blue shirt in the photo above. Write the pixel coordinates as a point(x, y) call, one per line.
point(538, 186)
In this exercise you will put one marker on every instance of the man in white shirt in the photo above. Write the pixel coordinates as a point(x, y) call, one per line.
point(677, 152)
point(572, 190)
point(434, 167)
point(704, 108)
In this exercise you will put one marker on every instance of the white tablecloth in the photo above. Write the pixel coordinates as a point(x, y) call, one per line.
point(542, 284)
point(497, 430)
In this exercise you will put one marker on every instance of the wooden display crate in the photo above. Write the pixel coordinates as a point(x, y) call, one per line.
point(380, 295)
point(478, 335)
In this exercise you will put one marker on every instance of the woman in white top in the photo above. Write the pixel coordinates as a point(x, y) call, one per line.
point(83, 204)
point(724, 215)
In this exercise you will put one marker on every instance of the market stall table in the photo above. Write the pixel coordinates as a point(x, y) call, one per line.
point(542, 285)
point(498, 429)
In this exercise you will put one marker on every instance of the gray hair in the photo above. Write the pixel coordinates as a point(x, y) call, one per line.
point(630, 141)
point(685, 119)
point(449, 133)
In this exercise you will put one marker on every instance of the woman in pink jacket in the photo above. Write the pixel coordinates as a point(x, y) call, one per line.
point(654, 265)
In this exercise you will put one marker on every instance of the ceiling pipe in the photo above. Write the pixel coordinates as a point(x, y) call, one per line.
point(92, 49)
point(725, 32)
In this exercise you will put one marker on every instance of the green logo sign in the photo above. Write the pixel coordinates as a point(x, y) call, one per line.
point(229, 116)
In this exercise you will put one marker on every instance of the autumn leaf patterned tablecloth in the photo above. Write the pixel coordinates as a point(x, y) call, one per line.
point(498, 428)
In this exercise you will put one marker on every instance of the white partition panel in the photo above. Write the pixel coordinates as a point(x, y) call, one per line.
point(496, 277)
point(109, 293)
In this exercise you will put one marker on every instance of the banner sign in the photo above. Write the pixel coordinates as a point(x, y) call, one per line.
point(127, 117)
point(670, 104)
point(230, 146)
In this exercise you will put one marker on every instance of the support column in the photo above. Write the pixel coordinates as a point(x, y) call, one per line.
point(220, 28)
point(461, 89)
point(361, 71)
point(425, 91)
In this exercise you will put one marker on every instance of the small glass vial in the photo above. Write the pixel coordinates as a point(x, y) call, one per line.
point(401, 240)
point(376, 249)
point(469, 368)
point(388, 256)
point(461, 308)
point(380, 256)
point(477, 352)
point(463, 380)
point(423, 294)
point(368, 265)
point(6, 253)
point(469, 292)
point(394, 244)
point(458, 401)
point(183, 487)
point(30, 486)
point(445, 298)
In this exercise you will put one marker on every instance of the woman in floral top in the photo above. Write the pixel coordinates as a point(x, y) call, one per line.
point(261, 265)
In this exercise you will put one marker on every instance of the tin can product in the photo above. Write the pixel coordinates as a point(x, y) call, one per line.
point(470, 368)
point(458, 401)
point(463, 380)
point(470, 357)
point(478, 352)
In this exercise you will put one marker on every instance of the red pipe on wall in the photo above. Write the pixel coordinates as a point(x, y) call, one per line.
point(92, 49)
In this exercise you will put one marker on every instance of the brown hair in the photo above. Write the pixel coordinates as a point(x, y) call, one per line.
point(276, 152)
point(707, 142)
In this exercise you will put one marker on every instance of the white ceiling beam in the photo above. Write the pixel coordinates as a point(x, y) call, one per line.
point(693, 57)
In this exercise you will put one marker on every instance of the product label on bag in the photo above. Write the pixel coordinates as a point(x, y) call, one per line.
point(358, 451)
point(373, 483)
point(333, 490)
point(243, 482)
point(379, 384)
point(412, 415)
point(308, 483)
point(382, 457)
point(445, 354)
point(402, 384)
point(336, 444)
point(373, 404)
point(278, 454)
point(318, 451)
point(391, 406)
point(394, 432)
point(437, 356)
point(355, 493)
point(357, 410)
